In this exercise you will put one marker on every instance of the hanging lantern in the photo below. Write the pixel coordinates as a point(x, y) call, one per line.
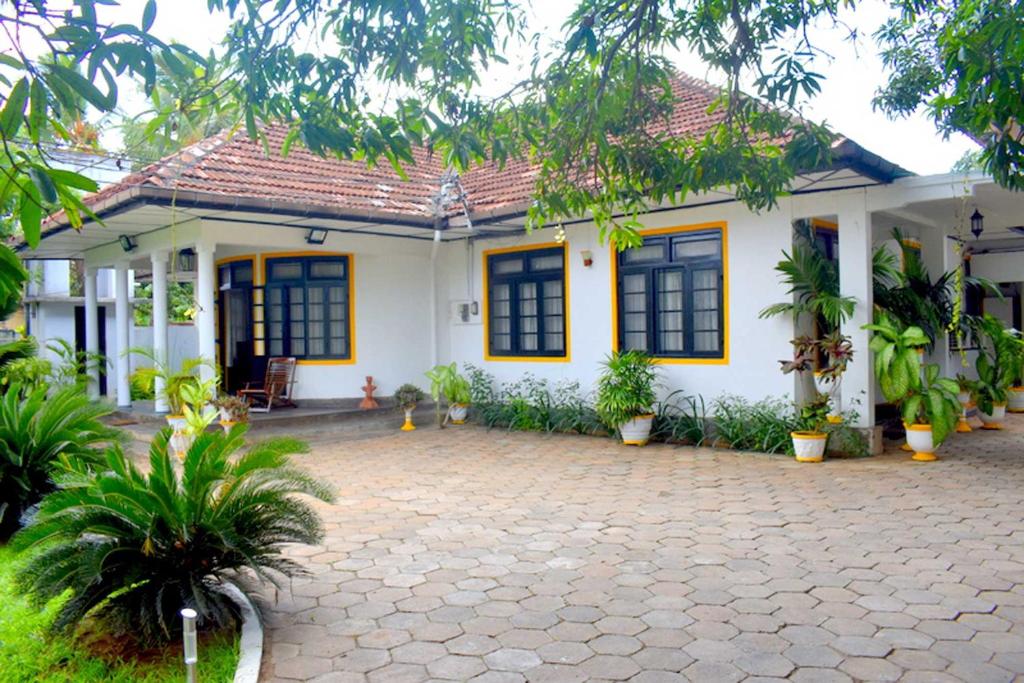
point(977, 224)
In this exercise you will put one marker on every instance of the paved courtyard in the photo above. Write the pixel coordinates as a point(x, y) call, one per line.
point(489, 556)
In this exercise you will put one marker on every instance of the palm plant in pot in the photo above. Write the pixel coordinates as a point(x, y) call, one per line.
point(626, 395)
point(406, 398)
point(447, 383)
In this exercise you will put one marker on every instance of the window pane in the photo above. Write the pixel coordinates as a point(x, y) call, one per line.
point(670, 312)
point(224, 276)
point(634, 307)
point(241, 273)
point(552, 262)
point(705, 342)
point(506, 266)
point(644, 254)
point(528, 325)
point(327, 269)
point(696, 248)
point(316, 347)
point(287, 270)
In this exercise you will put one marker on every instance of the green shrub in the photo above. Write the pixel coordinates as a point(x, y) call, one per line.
point(763, 425)
point(141, 384)
point(135, 548)
point(682, 419)
point(41, 433)
point(532, 404)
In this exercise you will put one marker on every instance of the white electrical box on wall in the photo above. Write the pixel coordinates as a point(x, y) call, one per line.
point(465, 312)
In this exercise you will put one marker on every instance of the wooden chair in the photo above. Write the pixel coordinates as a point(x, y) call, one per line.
point(276, 388)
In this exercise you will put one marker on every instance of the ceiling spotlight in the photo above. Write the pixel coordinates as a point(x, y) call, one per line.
point(128, 242)
point(316, 236)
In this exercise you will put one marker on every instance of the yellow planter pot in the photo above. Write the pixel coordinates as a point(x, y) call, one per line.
point(637, 431)
point(809, 446)
point(408, 426)
point(1016, 400)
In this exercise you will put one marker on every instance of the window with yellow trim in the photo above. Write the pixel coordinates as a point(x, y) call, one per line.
point(307, 307)
point(526, 303)
point(670, 296)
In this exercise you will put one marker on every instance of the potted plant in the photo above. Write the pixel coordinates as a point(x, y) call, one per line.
point(810, 439)
point(626, 396)
point(997, 366)
point(965, 391)
point(197, 405)
point(838, 352)
point(929, 410)
point(232, 410)
point(406, 398)
point(1015, 397)
point(445, 381)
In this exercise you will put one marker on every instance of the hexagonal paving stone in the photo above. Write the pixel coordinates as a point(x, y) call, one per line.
point(512, 659)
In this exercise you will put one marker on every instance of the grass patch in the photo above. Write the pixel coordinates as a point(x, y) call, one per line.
point(30, 653)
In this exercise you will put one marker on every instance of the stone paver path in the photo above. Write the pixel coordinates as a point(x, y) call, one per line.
point(496, 557)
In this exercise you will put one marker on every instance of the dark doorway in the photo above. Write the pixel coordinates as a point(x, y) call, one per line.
point(235, 327)
point(101, 318)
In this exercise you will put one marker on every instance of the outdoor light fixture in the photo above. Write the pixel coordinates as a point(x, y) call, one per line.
point(187, 260)
point(128, 243)
point(188, 618)
point(588, 258)
point(316, 236)
point(977, 224)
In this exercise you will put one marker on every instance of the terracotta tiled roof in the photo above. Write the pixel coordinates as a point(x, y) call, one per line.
point(225, 169)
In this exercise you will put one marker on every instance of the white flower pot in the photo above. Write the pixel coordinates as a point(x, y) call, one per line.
point(920, 439)
point(457, 412)
point(180, 440)
point(809, 446)
point(1016, 400)
point(408, 426)
point(995, 420)
point(637, 432)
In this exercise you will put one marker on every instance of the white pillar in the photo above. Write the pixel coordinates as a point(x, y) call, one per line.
point(855, 280)
point(205, 328)
point(122, 313)
point(92, 331)
point(159, 261)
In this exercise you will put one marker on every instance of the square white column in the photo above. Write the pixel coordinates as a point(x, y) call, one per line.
point(855, 280)
point(206, 278)
point(122, 315)
point(158, 260)
point(92, 331)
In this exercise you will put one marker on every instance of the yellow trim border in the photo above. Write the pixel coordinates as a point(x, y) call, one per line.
point(614, 270)
point(351, 360)
point(485, 297)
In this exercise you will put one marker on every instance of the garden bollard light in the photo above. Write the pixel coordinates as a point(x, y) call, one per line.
point(188, 616)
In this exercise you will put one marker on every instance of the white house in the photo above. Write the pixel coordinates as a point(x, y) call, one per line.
point(356, 272)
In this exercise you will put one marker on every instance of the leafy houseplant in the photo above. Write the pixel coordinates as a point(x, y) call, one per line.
point(40, 434)
point(626, 395)
point(135, 547)
point(810, 438)
point(233, 409)
point(406, 398)
point(173, 378)
point(446, 382)
point(929, 407)
point(998, 365)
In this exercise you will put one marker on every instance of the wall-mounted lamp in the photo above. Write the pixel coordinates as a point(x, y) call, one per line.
point(187, 260)
point(588, 258)
point(316, 236)
point(474, 308)
point(128, 243)
point(977, 224)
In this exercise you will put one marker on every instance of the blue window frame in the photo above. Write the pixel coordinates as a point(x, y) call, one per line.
point(670, 301)
point(526, 303)
point(307, 307)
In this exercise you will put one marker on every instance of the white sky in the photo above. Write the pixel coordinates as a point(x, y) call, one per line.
point(852, 76)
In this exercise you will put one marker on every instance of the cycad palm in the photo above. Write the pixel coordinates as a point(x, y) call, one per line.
point(39, 434)
point(139, 547)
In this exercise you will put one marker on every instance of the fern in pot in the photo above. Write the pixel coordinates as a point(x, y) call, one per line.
point(626, 395)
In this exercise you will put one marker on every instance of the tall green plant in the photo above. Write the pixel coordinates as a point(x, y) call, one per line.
point(626, 388)
point(933, 401)
point(897, 356)
point(40, 434)
point(999, 360)
point(134, 548)
point(174, 379)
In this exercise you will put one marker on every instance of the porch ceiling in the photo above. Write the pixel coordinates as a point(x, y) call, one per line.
point(1002, 209)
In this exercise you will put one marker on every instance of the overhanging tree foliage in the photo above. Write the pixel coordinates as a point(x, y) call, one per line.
point(372, 79)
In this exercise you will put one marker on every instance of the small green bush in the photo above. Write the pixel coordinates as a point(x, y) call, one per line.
point(42, 434)
point(763, 425)
point(682, 419)
point(134, 548)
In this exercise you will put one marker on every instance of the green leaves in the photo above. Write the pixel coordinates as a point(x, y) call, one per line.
point(626, 387)
point(12, 115)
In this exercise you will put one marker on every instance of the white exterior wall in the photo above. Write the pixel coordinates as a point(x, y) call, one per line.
point(754, 245)
point(182, 343)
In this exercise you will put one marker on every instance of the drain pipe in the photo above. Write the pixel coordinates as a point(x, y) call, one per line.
point(433, 295)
